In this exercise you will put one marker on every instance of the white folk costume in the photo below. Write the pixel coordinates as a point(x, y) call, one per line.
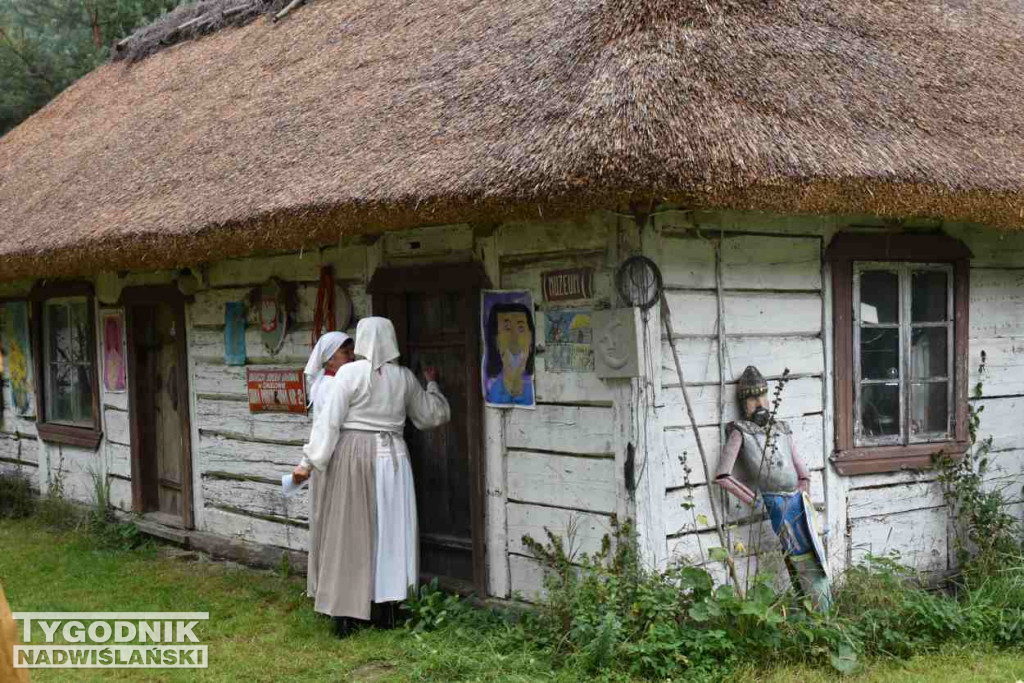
point(317, 380)
point(366, 529)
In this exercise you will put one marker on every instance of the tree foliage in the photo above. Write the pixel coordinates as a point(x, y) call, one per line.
point(45, 45)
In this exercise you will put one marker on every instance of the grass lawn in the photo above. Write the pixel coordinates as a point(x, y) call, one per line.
point(262, 628)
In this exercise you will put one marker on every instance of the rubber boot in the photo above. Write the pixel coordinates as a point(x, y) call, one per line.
point(812, 580)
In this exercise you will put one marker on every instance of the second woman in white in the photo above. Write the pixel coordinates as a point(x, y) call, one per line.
point(332, 350)
point(366, 527)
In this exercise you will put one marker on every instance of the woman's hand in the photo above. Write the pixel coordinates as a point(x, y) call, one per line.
point(300, 474)
point(431, 374)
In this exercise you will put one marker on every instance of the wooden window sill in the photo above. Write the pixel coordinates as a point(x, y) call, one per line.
point(70, 436)
point(877, 459)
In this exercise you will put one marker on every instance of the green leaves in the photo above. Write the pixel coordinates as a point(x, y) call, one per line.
point(45, 45)
point(718, 554)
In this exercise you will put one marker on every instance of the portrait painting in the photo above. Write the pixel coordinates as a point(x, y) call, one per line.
point(509, 334)
point(114, 373)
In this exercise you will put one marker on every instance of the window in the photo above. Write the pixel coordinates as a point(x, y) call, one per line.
point(903, 353)
point(67, 352)
point(900, 335)
point(66, 376)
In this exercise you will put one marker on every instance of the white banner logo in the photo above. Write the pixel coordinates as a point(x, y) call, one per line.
point(111, 640)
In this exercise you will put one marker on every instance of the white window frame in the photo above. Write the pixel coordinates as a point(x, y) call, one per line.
point(905, 325)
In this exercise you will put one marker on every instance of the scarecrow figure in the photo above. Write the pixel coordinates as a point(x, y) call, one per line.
point(760, 466)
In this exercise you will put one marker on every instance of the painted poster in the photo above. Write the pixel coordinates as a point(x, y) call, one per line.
point(234, 333)
point(276, 391)
point(114, 377)
point(3, 361)
point(18, 359)
point(567, 341)
point(509, 348)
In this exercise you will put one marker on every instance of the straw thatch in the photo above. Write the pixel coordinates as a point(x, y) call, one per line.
point(367, 115)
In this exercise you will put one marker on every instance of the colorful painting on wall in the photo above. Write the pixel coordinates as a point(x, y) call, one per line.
point(18, 356)
point(114, 374)
point(3, 358)
point(234, 333)
point(509, 348)
point(567, 341)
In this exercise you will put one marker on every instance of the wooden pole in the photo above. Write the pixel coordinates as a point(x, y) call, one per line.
point(288, 8)
point(667, 317)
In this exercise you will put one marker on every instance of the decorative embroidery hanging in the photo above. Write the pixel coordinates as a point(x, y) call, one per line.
point(273, 310)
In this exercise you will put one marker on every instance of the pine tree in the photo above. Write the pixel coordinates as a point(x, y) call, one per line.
point(45, 45)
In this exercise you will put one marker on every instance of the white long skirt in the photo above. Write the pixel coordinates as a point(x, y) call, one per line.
point(396, 569)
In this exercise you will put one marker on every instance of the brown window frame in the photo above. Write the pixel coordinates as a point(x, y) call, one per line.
point(843, 252)
point(82, 437)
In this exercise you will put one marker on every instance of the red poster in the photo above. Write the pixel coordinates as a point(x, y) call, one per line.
point(276, 391)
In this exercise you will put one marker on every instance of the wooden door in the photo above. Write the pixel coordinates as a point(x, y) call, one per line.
point(159, 407)
point(437, 324)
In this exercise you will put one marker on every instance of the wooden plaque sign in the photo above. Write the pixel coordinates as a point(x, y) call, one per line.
point(567, 285)
point(276, 391)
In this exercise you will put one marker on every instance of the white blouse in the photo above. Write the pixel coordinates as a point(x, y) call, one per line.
point(351, 401)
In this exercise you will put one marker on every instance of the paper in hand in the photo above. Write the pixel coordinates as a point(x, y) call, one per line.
point(288, 486)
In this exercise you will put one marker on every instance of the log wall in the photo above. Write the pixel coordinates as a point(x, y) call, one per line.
point(742, 289)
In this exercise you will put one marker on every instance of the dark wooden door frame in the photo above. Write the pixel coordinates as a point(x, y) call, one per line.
point(388, 283)
point(150, 296)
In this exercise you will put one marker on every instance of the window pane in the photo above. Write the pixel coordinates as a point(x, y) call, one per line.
point(83, 394)
point(879, 297)
point(880, 410)
point(929, 289)
point(929, 410)
point(59, 334)
point(59, 393)
point(928, 352)
point(879, 353)
point(79, 332)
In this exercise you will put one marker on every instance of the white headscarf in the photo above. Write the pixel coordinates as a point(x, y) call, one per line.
point(376, 342)
point(315, 370)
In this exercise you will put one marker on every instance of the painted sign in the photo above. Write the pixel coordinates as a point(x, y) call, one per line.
point(114, 378)
point(276, 391)
point(18, 357)
point(509, 349)
point(567, 341)
point(234, 333)
point(567, 285)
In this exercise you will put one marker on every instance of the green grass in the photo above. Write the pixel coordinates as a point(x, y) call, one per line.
point(262, 627)
point(953, 665)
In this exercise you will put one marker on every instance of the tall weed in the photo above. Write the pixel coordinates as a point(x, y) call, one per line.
point(986, 537)
point(16, 499)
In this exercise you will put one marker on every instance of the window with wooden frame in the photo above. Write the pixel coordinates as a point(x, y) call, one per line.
point(900, 314)
point(66, 377)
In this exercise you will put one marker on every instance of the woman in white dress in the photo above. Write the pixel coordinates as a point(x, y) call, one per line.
point(366, 528)
point(332, 350)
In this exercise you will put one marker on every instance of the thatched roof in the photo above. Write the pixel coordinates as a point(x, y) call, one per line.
point(365, 115)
